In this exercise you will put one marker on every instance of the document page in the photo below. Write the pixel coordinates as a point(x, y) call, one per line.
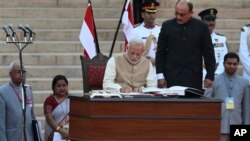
point(57, 137)
point(104, 93)
point(174, 90)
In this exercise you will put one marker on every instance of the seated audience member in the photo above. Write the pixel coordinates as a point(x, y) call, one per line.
point(233, 90)
point(56, 109)
point(11, 127)
point(129, 72)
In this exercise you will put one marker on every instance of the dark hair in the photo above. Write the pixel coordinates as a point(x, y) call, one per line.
point(231, 55)
point(56, 79)
point(189, 4)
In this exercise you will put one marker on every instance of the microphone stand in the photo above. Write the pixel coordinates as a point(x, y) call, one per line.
point(20, 46)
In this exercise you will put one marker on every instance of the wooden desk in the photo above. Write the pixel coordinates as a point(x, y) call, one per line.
point(151, 119)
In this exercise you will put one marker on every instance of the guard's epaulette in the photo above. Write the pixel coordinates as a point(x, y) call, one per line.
point(247, 25)
point(219, 34)
point(136, 25)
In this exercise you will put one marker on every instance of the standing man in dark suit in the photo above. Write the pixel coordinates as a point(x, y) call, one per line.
point(183, 43)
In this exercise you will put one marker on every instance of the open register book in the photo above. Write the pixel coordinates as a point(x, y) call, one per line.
point(150, 91)
point(174, 90)
point(104, 93)
point(113, 94)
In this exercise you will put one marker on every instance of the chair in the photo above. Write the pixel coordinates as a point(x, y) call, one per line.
point(93, 72)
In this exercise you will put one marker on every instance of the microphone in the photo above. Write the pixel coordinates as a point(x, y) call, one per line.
point(30, 31)
point(20, 26)
point(10, 26)
point(5, 28)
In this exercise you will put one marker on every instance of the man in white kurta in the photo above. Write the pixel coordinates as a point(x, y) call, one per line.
point(233, 90)
point(244, 51)
point(129, 72)
point(219, 41)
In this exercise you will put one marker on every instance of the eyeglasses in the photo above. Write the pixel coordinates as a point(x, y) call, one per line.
point(181, 14)
point(19, 71)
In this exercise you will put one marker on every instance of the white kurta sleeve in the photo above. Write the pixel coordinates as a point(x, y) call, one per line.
point(110, 75)
point(151, 77)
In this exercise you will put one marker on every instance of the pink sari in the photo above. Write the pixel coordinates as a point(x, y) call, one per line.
point(59, 113)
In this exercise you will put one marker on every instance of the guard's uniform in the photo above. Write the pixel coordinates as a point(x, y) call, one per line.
point(244, 51)
point(219, 41)
point(220, 49)
point(145, 33)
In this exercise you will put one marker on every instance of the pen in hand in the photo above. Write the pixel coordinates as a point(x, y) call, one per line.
point(126, 88)
point(137, 90)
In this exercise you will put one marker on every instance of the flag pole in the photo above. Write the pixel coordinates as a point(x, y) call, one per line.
point(96, 39)
point(117, 29)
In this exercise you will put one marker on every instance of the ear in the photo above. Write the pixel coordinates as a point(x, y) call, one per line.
point(142, 14)
point(192, 12)
point(224, 63)
point(127, 48)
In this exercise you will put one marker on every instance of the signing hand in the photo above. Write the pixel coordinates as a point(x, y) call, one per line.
point(137, 90)
point(126, 89)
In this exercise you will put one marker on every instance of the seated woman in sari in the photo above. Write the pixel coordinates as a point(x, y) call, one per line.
point(56, 109)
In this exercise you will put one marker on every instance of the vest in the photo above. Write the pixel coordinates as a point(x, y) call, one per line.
point(133, 75)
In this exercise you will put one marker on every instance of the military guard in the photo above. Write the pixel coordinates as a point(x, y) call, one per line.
point(244, 51)
point(219, 41)
point(148, 30)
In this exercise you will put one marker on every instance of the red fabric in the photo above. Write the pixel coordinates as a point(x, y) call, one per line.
point(95, 75)
point(89, 21)
point(87, 34)
point(50, 104)
point(149, 5)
